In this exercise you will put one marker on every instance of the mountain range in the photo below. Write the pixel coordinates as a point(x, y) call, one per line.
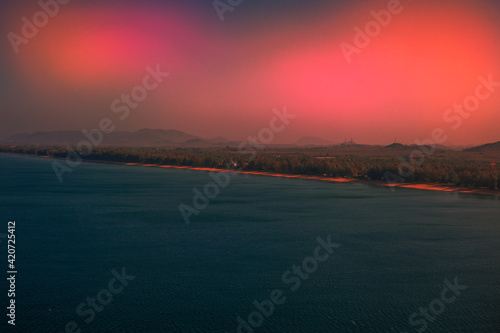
point(489, 147)
point(173, 138)
point(141, 138)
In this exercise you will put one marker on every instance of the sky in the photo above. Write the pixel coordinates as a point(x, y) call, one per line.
point(331, 63)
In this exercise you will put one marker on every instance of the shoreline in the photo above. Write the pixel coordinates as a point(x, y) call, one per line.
point(426, 187)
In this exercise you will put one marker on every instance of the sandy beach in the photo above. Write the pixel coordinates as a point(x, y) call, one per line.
point(427, 187)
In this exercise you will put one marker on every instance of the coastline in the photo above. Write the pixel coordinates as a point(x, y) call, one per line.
point(426, 187)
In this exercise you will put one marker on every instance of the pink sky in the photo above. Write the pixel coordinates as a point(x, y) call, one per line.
point(226, 77)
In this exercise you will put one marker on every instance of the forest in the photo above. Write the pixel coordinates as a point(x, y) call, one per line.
point(454, 168)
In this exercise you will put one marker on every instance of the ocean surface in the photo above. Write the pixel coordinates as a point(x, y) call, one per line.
point(396, 250)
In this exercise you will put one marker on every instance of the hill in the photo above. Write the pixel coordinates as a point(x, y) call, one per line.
point(141, 138)
point(489, 147)
point(396, 146)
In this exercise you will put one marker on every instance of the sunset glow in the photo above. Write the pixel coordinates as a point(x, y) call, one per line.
point(428, 58)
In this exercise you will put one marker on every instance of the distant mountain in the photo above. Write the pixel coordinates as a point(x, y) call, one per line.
point(159, 135)
point(173, 138)
point(396, 146)
point(142, 138)
point(459, 147)
point(312, 141)
point(400, 146)
point(490, 147)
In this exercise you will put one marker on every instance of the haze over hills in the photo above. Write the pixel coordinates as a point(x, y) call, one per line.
point(144, 137)
point(400, 146)
point(141, 138)
point(312, 141)
point(489, 147)
point(174, 138)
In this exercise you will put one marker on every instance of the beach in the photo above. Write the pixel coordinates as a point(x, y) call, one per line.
point(427, 187)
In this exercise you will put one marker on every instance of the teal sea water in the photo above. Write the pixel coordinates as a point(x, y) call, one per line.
point(396, 250)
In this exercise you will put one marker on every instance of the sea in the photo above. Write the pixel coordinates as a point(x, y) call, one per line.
point(109, 249)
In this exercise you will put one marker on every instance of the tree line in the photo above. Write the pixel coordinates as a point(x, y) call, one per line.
point(455, 172)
